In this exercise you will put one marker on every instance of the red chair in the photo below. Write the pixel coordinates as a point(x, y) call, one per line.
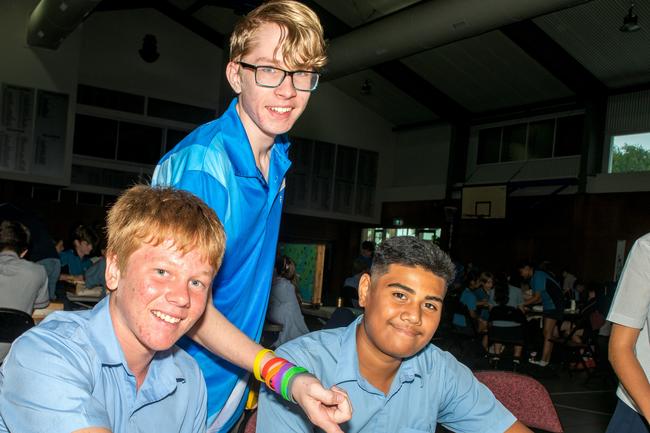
point(525, 397)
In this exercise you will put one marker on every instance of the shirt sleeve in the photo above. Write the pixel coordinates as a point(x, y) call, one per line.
point(200, 172)
point(632, 298)
point(538, 282)
point(468, 299)
point(275, 414)
point(468, 406)
point(46, 386)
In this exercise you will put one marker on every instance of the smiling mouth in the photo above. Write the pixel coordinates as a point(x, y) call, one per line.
point(406, 331)
point(280, 110)
point(166, 317)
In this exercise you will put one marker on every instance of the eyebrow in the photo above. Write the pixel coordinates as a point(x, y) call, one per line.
point(410, 290)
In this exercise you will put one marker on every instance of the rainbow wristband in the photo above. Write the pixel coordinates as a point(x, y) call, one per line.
point(272, 372)
point(258, 361)
point(270, 364)
point(276, 380)
point(287, 377)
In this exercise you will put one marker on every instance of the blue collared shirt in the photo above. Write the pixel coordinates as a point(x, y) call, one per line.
point(429, 387)
point(69, 373)
point(216, 163)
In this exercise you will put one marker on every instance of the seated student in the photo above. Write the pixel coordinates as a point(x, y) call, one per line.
point(395, 379)
point(468, 298)
point(115, 368)
point(284, 302)
point(75, 261)
point(506, 320)
point(23, 284)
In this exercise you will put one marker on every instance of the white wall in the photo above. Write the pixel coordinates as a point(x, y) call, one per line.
point(189, 69)
point(39, 68)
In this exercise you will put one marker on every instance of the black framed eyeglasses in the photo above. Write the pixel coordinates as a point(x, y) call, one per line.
point(270, 76)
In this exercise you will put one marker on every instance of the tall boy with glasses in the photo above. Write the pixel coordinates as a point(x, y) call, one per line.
point(237, 165)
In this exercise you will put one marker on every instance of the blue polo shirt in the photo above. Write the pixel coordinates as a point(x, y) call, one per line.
point(216, 163)
point(69, 373)
point(76, 265)
point(538, 285)
point(429, 387)
point(469, 299)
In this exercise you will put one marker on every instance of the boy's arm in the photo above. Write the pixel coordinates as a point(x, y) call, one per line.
point(627, 366)
point(518, 427)
point(325, 408)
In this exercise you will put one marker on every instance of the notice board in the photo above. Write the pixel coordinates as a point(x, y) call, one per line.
point(310, 261)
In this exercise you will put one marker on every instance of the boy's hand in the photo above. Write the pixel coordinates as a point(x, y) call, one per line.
point(325, 408)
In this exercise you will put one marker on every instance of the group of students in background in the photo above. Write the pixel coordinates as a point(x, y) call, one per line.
point(488, 303)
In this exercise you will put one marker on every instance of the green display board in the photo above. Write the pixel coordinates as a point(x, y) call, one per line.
point(309, 260)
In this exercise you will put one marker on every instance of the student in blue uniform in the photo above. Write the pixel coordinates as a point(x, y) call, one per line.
point(396, 380)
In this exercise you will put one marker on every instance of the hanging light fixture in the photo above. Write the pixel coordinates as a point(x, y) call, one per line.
point(630, 21)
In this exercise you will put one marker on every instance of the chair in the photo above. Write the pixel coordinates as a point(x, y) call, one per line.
point(13, 323)
point(579, 354)
point(525, 397)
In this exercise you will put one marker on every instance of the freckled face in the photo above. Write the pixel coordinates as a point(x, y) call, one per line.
point(402, 310)
point(265, 112)
point(158, 297)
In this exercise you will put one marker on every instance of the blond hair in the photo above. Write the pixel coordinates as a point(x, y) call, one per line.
point(152, 215)
point(302, 44)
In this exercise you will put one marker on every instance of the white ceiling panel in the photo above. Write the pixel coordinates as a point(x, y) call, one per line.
point(384, 98)
point(590, 33)
point(487, 72)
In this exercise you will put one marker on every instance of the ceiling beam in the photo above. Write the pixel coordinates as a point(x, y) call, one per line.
point(170, 11)
point(555, 59)
point(397, 73)
point(189, 22)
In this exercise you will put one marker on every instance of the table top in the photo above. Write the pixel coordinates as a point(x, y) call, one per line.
point(40, 313)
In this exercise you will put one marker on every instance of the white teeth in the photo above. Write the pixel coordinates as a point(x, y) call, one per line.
point(281, 109)
point(167, 318)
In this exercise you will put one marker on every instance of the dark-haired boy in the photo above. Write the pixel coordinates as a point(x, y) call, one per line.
point(395, 379)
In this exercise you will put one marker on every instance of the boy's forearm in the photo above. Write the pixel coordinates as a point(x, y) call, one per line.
point(215, 332)
point(627, 366)
point(518, 427)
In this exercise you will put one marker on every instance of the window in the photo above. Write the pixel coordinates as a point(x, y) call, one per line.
point(379, 234)
point(548, 138)
point(489, 145)
point(630, 153)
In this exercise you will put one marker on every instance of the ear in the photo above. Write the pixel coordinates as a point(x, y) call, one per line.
point(112, 273)
point(232, 74)
point(23, 254)
point(364, 288)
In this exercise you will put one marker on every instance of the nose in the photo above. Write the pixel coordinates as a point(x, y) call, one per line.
point(178, 294)
point(286, 89)
point(412, 314)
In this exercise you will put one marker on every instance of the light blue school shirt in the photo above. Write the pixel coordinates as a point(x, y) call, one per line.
point(216, 163)
point(538, 285)
point(469, 299)
point(430, 387)
point(69, 373)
